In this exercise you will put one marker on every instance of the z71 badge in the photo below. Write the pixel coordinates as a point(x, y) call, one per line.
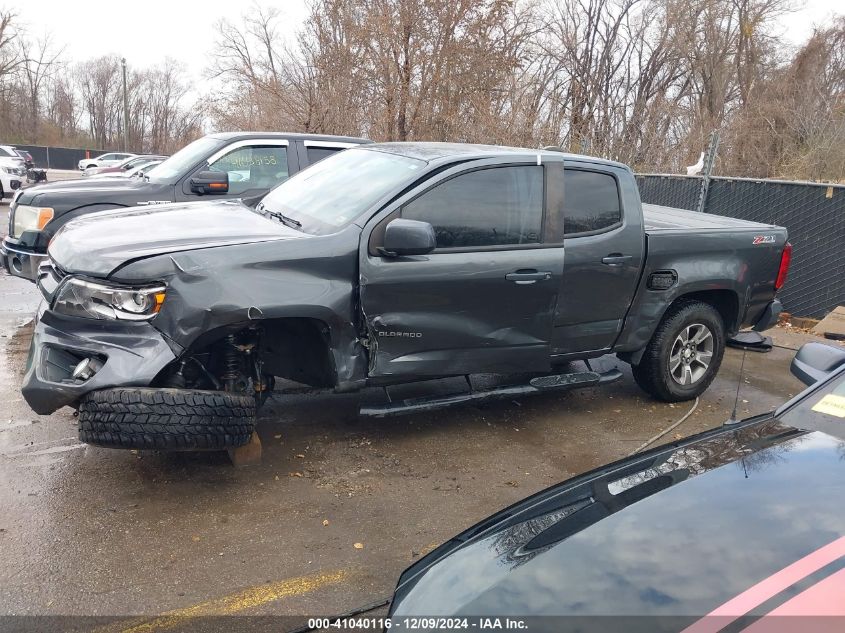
point(763, 239)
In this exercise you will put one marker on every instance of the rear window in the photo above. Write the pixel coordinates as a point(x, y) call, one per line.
point(316, 154)
point(591, 201)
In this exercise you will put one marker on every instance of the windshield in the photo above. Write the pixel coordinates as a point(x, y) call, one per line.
point(823, 410)
point(184, 159)
point(334, 192)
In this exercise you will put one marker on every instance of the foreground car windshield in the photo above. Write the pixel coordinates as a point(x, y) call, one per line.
point(823, 410)
point(335, 191)
point(183, 160)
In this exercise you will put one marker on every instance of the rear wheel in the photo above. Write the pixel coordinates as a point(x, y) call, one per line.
point(181, 419)
point(685, 353)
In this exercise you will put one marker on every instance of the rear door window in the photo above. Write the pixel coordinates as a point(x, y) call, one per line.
point(591, 202)
point(498, 206)
point(316, 154)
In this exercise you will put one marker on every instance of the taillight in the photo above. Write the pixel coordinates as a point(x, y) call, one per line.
point(785, 259)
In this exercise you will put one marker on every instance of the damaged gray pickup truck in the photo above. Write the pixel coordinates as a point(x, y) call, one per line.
point(166, 326)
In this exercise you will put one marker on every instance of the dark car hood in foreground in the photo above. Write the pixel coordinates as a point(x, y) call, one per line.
point(98, 243)
point(677, 532)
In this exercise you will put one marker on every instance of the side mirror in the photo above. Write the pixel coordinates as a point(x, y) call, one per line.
point(210, 182)
point(815, 362)
point(408, 237)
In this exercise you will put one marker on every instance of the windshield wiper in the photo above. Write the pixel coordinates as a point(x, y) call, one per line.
point(280, 216)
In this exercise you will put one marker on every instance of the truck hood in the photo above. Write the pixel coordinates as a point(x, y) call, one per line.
point(61, 189)
point(675, 533)
point(98, 243)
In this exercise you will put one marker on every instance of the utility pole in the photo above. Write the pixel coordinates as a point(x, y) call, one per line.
point(709, 163)
point(125, 108)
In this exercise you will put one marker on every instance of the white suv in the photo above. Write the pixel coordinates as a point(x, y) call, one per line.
point(12, 171)
point(104, 160)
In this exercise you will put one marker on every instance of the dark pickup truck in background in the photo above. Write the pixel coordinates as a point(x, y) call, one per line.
point(242, 165)
point(386, 264)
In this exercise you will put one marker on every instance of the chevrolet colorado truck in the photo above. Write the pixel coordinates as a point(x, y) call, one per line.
point(229, 165)
point(166, 326)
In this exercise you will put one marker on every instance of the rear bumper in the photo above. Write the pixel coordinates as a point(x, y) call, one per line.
point(132, 354)
point(770, 316)
point(19, 262)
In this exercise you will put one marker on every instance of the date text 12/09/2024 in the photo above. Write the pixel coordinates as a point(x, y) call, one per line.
point(420, 624)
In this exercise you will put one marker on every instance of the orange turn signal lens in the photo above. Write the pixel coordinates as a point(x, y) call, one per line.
point(44, 216)
point(159, 301)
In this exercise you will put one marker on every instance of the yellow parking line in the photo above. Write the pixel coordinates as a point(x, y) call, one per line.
point(231, 604)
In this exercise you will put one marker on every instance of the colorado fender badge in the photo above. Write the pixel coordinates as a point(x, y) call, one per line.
point(763, 239)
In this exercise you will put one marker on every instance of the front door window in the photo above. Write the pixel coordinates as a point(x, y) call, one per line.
point(254, 167)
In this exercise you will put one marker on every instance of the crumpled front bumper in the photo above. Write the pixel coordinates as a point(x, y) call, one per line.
point(131, 353)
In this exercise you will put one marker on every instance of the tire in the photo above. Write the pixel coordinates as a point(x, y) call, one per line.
point(659, 373)
point(169, 419)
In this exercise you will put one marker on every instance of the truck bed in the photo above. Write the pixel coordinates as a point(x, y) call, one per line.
point(659, 219)
point(715, 252)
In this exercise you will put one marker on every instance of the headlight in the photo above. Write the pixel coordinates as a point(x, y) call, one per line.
point(77, 297)
point(10, 170)
point(29, 218)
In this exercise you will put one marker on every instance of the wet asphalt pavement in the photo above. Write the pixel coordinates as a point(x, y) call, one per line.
point(91, 531)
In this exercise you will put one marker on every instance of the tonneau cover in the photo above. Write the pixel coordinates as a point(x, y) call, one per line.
point(659, 218)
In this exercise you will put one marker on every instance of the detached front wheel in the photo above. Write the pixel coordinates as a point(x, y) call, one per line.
point(685, 353)
point(166, 419)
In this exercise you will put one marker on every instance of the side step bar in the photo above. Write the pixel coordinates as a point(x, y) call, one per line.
point(557, 382)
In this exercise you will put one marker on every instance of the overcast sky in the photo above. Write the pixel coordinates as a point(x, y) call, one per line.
point(148, 31)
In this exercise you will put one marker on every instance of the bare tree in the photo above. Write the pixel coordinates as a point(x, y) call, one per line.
point(39, 64)
point(642, 81)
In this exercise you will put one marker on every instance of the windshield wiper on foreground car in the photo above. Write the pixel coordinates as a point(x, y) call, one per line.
point(279, 216)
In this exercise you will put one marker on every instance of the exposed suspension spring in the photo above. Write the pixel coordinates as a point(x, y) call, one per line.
point(231, 364)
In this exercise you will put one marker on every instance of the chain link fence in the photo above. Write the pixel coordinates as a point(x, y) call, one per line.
point(814, 215)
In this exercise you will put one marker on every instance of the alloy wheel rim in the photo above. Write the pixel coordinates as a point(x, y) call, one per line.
point(691, 354)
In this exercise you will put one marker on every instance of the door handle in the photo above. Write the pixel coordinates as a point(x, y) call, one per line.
point(523, 277)
point(615, 259)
